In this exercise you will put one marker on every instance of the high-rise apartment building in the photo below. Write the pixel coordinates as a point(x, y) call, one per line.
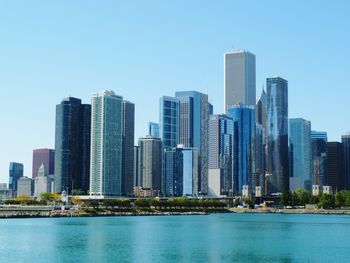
point(169, 109)
point(277, 134)
point(300, 154)
point(106, 144)
point(345, 139)
point(128, 137)
point(243, 146)
point(15, 172)
point(45, 157)
point(319, 158)
point(194, 122)
point(239, 79)
point(72, 145)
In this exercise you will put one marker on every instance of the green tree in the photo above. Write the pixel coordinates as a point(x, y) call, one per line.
point(286, 198)
point(326, 201)
point(23, 199)
point(340, 198)
point(303, 196)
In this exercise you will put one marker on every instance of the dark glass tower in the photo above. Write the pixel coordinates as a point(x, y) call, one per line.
point(319, 158)
point(335, 165)
point(72, 145)
point(15, 172)
point(128, 131)
point(345, 139)
point(277, 134)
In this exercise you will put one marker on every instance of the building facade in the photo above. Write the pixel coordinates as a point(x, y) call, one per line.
point(72, 145)
point(15, 172)
point(25, 186)
point(153, 129)
point(300, 154)
point(335, 166)
point(239, 78)
point(194, 123)
point(169, 109)
point(345, 139)
point(319, 158)
point(43, 156)
point(106, 144)
point(128, 137)
point(277, 134)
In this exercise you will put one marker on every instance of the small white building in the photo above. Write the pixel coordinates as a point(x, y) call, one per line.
point(214, 182)
point(245, 191)
point(327, 189)
point(258, 192)
point(316, 190)
point(42, 183)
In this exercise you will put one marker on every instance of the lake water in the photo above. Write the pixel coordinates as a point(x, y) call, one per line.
point(209, 238)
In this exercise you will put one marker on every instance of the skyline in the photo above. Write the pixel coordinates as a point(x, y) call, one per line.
point(80, 55)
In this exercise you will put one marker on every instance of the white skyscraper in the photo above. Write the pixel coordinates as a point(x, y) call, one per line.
point(239, 79)
point(106, 144)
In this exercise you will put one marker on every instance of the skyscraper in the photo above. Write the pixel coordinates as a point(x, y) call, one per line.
point(46, 157)
point(345, 139)
point(239, 79)
point(319, 158)
point(335, 166)
point(221, 151)
point(106, 144)
point(72, 145)
point(277, 134)
point(243, 146)
point(194, 122)
point(150, 163)
point(172, 171)
point(300, 154)
point(169, 109)
point(153, 129)
point(128, 131)
point(15, 172)
point(187, 185)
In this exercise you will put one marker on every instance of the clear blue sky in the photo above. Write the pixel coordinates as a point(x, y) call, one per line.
point(145, 49)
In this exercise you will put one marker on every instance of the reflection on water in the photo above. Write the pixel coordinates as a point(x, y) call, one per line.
point(212, 238)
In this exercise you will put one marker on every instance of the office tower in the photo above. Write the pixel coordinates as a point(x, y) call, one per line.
point(169, 110)
point(188, 184)
point(211, 109)
point(153, 129)
point(25, 186)
point(221, 151)
point(319, 158)
point(172, 171)
point(72, 145)
point(106, 144)
point(260, 109)
point(345, 139)
point(46, 157)
point(194, 122)
point(128, 131)
point(15, 172)
point(277, 134)
point(239, 79)
point(300, 154)
point(335, 166)
point(150, 163)
point(42, 182)
point(243, 146)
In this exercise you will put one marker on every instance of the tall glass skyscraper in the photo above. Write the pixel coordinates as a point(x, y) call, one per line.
point(194, 121)
point(153, 129)
point(300, 154)
point(221, 150)
point(106, 144)
point(128, 131)
point(277, 134)
point(45, 157)
point(150, 163)
point(169, 109)
point(319, 158)
point(335, 166)
point(345, 139)
point(72, 145)
point(243, 145)
point(239, 78)
point(15, 172)
point(188, 186)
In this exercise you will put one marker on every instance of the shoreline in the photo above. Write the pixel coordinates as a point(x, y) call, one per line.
point(298, 211)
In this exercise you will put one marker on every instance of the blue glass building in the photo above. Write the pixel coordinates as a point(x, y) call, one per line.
point(153, 129)
point(15, 172)
point(243, 143)
point(169, 109)
point(345, 139)
point(300, 154)
point(277, 134)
